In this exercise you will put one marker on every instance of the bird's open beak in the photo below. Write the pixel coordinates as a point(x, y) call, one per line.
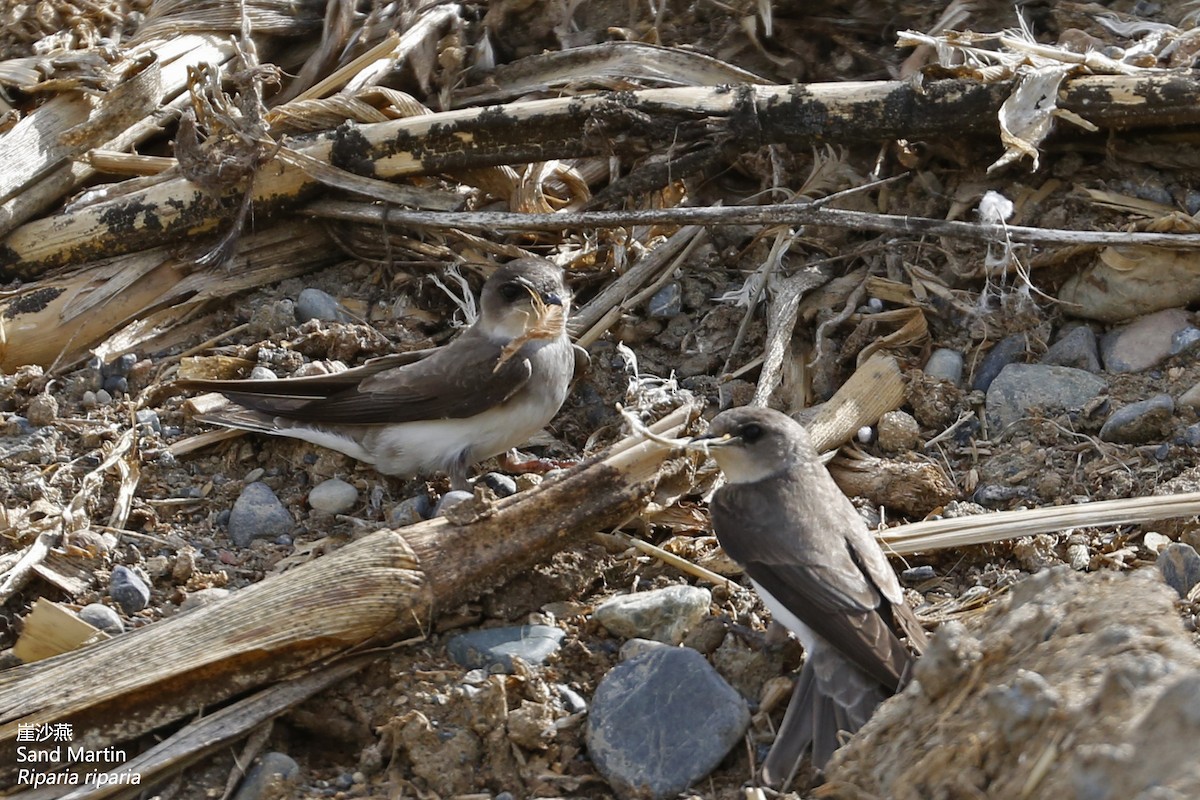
point(548, 298)
point(707, 440)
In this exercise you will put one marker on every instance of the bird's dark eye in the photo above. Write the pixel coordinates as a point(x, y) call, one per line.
point(752, 433)
point(511, 291)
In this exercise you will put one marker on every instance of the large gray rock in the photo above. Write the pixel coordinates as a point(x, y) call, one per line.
point(661, 721)
point(1021, 388)
point(1139, 423)
point(1076, 348)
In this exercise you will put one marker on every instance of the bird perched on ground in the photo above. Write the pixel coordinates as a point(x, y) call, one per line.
point(820, 572)
point(438, 410)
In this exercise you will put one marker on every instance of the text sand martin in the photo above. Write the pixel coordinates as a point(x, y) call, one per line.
point(811, 559)
point(439, 410)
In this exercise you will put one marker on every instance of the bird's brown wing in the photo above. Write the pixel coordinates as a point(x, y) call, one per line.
point(821, 584)
point(459, 380)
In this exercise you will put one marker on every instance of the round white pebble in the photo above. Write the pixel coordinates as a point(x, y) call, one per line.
point(334, 496)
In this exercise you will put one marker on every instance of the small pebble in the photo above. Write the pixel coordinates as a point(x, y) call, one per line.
point(1180, 567)
point(1077, 348)
point(101, 616)
point(147, 421)
point(316, 304)
point(272, 777)
point(495, 648)
point(128, 589)
point(261, 373)
point(116, 384)
point(865, 434)
point(89, 399)
point(667, 302)
point(122, 364)
point(664, 615)
point(1078, 557)
point(203, 597)
point(254, 475)
point(501, 484)
point(334, 496)
point(449, 499)
point(1143, 343)
point(918, 574)
point(1007, 351)
point(1184, 339)
point(945, 364)
point(1191, 435)
point(42, 411)
point(410, 511)
point(258, 514)
point(103, 398)
point(1141, 422)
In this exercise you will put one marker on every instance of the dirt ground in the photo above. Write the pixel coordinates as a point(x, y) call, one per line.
point(414, 724)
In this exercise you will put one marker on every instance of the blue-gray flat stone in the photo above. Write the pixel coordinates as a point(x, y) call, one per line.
point(661, 721)
point(494, 648)
point(1140, 422)
point(128, 589)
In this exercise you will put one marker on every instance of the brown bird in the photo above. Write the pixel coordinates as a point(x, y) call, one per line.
point(820, 572)
point(438, 410)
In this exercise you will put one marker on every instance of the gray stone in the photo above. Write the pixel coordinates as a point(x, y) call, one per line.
point(334, 496)
point(258, 514)
point(501, 484)
point(662, 721)
point(316, 304)
point(1143, 343)
point(101, 616)
point(494, 648)
point(1003, 353)
point(1184, 339)
point(1180, 567)
point(666, 302)
point(274, 776)
point(918, 574)
point(410, 511)
point(664, 615)
point(128, 589)
point(945, 364)
point(1191, 435)
point(103, 397)
point(116, 384)
point(148, 421)
point(261, 373)
point(203, 597)
point(450, 499)
point(1020, 388)
point(1140, 422)
point(1077, 348)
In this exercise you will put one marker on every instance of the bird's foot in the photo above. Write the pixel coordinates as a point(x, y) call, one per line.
point(513, 462)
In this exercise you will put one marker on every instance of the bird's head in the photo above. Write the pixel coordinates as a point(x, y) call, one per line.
point(751, 443)
point(524, 297)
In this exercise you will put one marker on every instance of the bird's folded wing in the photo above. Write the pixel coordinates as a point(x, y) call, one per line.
point(449, 382)
point(845, 619)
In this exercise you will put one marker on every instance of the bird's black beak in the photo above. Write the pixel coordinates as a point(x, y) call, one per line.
point(552, 299)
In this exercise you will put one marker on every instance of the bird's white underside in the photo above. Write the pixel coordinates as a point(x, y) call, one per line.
point(780, 613)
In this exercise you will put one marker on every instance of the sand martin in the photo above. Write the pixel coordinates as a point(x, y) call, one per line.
point(438, 410)
point(820, 572)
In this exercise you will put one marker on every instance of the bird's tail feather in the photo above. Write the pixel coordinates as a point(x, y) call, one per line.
point(831, 696)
